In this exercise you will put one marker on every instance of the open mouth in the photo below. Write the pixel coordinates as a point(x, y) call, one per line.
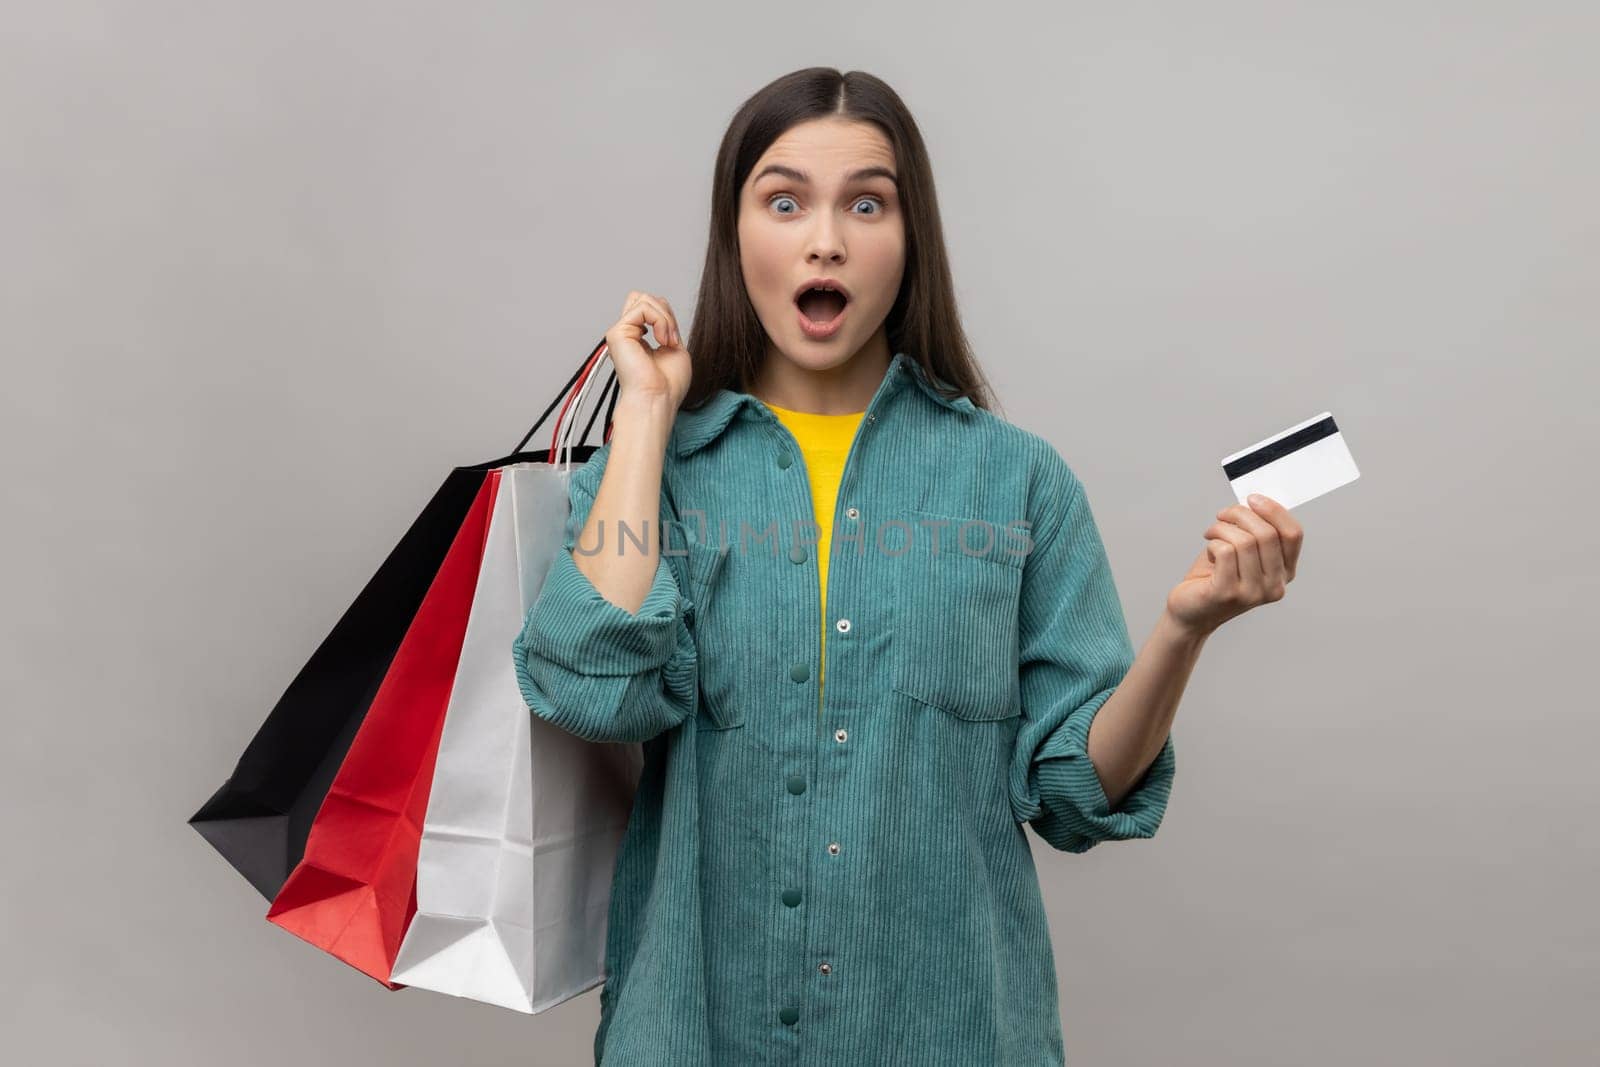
point(821, 310)
point(821, 305)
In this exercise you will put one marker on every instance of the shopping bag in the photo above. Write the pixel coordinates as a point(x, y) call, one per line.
point(524, 820)
point(353, 892)
point(259, 817)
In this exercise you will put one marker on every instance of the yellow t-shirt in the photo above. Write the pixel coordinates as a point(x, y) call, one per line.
point(824, 445)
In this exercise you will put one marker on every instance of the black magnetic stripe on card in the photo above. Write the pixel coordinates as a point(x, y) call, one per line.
point(1284, 446)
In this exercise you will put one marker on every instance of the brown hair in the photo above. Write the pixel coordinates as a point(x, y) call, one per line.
point(727, 340)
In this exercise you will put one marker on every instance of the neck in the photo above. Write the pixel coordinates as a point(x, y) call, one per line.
point(844, 389)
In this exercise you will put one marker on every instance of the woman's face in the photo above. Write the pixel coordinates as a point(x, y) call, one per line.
point(807, 211)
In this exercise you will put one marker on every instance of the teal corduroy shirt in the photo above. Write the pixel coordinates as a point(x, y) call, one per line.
point(844, 881)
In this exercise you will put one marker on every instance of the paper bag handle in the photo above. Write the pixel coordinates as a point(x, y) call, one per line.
point(562, 395)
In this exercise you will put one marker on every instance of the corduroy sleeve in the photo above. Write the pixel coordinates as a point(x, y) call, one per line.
point(592, 668)
point(1074, 651)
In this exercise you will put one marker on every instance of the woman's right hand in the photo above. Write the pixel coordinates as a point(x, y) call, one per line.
point(649, 373)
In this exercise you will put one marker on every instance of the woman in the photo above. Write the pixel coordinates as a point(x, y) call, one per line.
point(840, 872)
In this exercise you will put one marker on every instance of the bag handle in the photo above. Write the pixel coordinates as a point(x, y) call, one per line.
point(563, 431)
point(610, 387)
point(583, 368)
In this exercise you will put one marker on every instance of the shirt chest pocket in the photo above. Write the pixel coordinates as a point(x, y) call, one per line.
point(718, 654)
point(956, 626)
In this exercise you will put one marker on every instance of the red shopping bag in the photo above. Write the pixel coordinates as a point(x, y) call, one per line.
point(353, 893)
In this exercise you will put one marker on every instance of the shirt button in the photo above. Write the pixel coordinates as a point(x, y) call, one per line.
point(790, 1016)
point(799, 672)
point(791, 897)
point(797, 554)
point(840, 736)
point(872, 418)
point(852, 512)
point(797, 784)
point(843, 626)
point(833, 848)
point(784, 459)
point(825, 967)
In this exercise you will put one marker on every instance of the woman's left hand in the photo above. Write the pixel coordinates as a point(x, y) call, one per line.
point(1249, 558)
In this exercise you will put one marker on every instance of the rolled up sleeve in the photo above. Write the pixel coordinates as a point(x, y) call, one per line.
point(592, 668)
point(1074, 652)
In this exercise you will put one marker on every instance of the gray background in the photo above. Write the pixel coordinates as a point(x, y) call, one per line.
point(270, 270)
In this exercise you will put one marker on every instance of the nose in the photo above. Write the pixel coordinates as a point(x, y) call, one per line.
point(825, 242)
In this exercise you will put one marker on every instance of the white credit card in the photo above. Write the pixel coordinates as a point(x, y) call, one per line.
point(1293, 466)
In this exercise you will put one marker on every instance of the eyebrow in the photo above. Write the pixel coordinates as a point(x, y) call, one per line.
point(801, 176)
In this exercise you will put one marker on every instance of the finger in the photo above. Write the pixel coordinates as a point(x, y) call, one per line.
point(672, 321)
point(1248, 560)
point(1267, 542)
point(1224, 565)
point(667, 334)
point(644, 311)
point(1290, 533)
point(666, 325)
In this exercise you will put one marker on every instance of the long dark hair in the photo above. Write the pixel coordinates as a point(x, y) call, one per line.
point(727, 341)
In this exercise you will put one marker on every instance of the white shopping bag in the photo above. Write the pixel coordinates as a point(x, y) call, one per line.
point(524, 819)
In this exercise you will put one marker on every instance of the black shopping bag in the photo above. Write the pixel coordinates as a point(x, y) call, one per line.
point(260, 817)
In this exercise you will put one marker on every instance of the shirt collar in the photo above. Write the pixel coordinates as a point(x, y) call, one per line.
point(696, 428)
